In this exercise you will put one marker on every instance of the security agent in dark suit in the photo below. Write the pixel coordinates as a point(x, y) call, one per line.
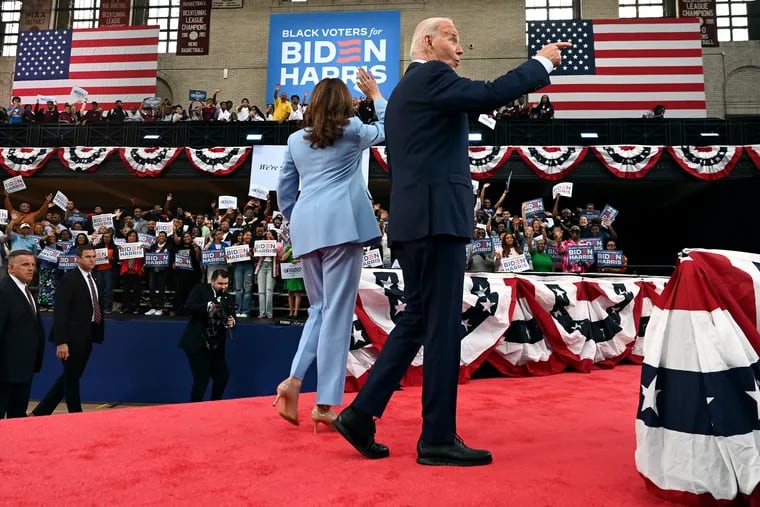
point(211, 311)
point(77, 324)
point(22, 338)
point(431, 221)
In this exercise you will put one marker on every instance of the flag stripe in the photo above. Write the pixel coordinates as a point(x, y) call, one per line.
point(628, 88)
point(113, 57)
point(148, 42)
point(645, 44)
point(94, 83)
point(640, 106)
point(650, 53)
point(145, 90)
point(107, 68)
point(638, 35)
point(626, 113)
point(626, 71)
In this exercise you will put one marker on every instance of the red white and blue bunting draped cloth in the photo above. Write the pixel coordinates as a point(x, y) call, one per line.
point(628, 162)
point(552, 162)
point(152, 161)
point(24, 161)
point(485, 161)
point(217, 161)
point(522, 325)
point(753, 151)
point(86, 159)
point(706, 162)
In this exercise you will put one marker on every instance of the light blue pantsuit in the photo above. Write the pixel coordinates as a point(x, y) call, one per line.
point(331, 276)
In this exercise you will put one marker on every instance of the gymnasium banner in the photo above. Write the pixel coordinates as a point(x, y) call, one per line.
point(307, 47)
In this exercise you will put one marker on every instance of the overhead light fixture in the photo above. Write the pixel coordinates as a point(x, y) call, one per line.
point(709, 134)
point(475, 136)
point(151, 137)
point(589, 135)
point(254, 137)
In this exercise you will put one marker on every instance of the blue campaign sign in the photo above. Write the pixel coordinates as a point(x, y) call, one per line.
point(482, 246)
point(213, 258)
point(609, 258)
point(157, 260)
point(582, 253)
point(595, 243)
point(552, 251)
point(308, 47)
point(67, 262)
point(199, 95)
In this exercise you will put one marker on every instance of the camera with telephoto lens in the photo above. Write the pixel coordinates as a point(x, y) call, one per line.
point(222, 309)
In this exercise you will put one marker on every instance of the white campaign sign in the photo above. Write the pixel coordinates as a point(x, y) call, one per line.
point(257, 191)
point(227, 201)
point(199, 241)
point(167, 227)
point(515, 264)
point(79, 93)
point(372, 259)
point(265, 248)
point(131, 251)
point(564, 189)
point(101, 256)
point(289, 271)
point(237, 253)
point(104, 220)
point(3, 216)
point(14, 184)
point(60, 200)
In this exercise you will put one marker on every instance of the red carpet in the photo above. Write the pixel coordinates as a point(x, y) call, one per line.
point(561, 440)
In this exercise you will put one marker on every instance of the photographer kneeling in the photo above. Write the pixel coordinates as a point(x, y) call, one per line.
point(211, 311)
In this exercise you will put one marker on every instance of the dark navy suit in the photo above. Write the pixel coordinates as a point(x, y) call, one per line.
point(431, 219)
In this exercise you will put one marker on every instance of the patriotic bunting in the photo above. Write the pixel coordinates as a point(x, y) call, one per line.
point(24, 161)
point(144, 162)
point(85, 159)
point(754, 153)
point(706, 162)
point(381, 155)
point(628, 162)
point(217, 161)
point(698, 419)
point(552, 162)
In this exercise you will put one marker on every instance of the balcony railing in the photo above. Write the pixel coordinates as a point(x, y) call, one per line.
point(666, 132)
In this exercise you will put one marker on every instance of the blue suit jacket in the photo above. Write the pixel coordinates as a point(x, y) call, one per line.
point(334, 206)
point(427, 130)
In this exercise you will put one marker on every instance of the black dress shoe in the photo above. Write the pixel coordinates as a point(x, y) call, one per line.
point(453, 454)
point(360, 432)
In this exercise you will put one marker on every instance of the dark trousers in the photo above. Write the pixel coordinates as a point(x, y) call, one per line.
point(67, 385)
point(132, 290)
point(14, 398)
point(208, 365)
point(433, 282)
point(184, 281)
point(157, 286)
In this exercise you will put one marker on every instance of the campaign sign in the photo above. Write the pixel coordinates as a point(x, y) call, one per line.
point(147, 240)
point(67, 262)
point(289, 271)
point(515, 264)
point(482, 246)
point(60, 200)
point(183, 261)
point(199, 95)
point(213, 258)
point(3, 216)
point(157, 260)
point(609, 213)
point(77, 218)
point(78, 93)
point(372, 259)
point(14, 184)
point(104, 220)
point(151, 102)
point(65, 245)
point(591, 214)
point(580, 253)
point(119, 241)
point(131, 251)
point(564, 189)
point(227, 202)
point(533, 207)
point(167, 227)
point(199, 241)
point(265, 248)
point(305, 48)
point(609, 258)
point(49, 254)
point(237, 253)
point(258, 191)
point(595, 243)
point(101, 256)
point(552, 251)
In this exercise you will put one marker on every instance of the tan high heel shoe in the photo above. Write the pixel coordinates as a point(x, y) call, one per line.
point(326, 417)
point(287, 395)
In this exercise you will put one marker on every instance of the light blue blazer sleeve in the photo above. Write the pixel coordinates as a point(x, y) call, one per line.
point(287, 185)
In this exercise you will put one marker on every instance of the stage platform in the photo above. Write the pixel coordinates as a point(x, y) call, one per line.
point(140, 362)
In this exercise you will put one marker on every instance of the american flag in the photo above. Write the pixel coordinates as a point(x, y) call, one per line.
point(621, 68)
point(110, 63)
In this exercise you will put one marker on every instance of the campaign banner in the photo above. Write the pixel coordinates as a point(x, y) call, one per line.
point(265, 248)
point(67, 262)
point(61, 200)
point(595, 243)
point(157, 260)
point(199, 95)
point(76, 217)
point(193, 30)
point(183, 261)
point(591, 214)
point(227, 202)
point(266, 162)
point(213, 258)
point(289, 270)
point(148, 240)
point(199, 242)
point(372, 259)
point(534, 207)
point(565, 189)
point(167, 227)
point(258, 191)
point(114, 13)
point(305, 48)
point(131, 251)
point(78, 93)
point(580, 253)
point(3, 216)
point(15, 184)
point(65, 245)
point(237, 253)
point(49, 254)
point(515, 264)
point(119, 241)
point(609, 258)
point(104, 220)
point(482, 246)
point(552, 251)
point(609, 213)
point(101, 256)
